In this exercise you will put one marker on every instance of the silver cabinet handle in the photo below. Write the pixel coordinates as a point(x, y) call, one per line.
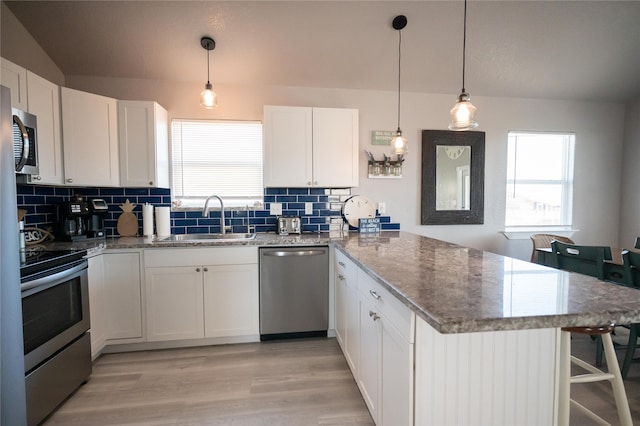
point(36, 177)
point(341, 264)
point(197, 269)
point(341, 277)
point(374, 315)
point(374, 294)
point(69, 180)
point(309, 183)
point(206, 269)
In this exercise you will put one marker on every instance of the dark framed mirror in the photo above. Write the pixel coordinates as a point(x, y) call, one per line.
point(452, 177)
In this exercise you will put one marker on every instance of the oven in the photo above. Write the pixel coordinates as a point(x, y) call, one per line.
point(55, 322)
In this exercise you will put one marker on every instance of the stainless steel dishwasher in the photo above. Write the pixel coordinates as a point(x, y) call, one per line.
point(294, 292)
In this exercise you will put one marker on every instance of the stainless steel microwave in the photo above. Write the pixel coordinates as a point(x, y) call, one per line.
point(25, 142)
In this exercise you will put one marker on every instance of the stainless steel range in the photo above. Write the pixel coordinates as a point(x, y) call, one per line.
point(55, 321)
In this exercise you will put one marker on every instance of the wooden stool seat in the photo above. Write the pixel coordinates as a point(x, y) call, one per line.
point(591, 331)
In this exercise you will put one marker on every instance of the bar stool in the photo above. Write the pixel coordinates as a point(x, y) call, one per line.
point(594, 375)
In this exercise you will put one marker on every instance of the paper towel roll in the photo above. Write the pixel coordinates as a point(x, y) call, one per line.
point(147, 220)
point(163, 221)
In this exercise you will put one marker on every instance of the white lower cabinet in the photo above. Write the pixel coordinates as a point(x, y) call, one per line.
point(231, 302)
point(123, 295)
point(347, 318)
point(195, 293)
point(174, 301)
point(97, 305)
point(376, 334)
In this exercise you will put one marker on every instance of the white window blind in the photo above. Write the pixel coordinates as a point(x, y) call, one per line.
point(539, 179)
point(216, 157)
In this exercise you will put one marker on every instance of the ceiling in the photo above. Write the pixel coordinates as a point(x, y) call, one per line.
point(577, 50)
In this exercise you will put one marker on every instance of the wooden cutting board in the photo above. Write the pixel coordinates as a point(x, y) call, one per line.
point(127, 222)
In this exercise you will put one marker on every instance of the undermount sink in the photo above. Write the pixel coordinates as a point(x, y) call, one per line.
point(208, 237)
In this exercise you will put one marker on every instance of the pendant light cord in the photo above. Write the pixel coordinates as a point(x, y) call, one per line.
point(209, 73)
point(464, 44)
point(399, 62)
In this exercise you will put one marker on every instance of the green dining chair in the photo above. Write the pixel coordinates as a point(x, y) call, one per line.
point(587, 260)
point(631, 278)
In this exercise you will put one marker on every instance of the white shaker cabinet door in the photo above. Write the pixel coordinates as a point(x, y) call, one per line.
point(369, 363)
point(174, 305)
point(397, 377)
point(287, 146)
point(90, 139)
point(143, 144)
point(123, 289)
point(15, 78)
point(44, 103)
point(97, 304)
point(231, 300)
point(335, 147)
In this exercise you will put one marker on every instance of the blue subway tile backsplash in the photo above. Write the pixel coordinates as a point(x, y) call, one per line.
point(40, 201)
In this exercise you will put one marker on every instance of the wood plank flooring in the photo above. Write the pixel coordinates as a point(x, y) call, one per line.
point(297, 382)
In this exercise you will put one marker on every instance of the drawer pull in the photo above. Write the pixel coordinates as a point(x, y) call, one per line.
point(197, 269)
point(206, 269)
point(342, 264)
point(374, 315)
point(374, 294)
point(341, 277)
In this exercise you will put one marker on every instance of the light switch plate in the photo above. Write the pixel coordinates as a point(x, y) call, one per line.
point(308, 208)
point(275, 209)
point(382, 207)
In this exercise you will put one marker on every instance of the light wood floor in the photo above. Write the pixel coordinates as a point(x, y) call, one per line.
point(301, 382)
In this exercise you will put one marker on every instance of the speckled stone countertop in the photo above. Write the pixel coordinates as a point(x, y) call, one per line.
point(458, 289)
point(455, 289)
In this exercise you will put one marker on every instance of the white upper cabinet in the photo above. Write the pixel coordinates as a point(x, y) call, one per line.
point(90, 139)
point(44, 103)
point(310, 147)
point(144, 144)
point(15, 78)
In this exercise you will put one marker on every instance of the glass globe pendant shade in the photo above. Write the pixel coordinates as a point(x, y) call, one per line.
point(462, 114)
point(208, 97)
point(399, 143)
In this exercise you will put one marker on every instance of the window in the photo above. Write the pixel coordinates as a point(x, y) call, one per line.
point(216, 157)
point(539, 179)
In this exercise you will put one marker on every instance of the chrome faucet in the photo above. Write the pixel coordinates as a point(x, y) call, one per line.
point(205, 211)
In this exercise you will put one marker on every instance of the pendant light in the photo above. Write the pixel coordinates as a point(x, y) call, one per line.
point(462, 114)
point(399, 142)
point(208, 97)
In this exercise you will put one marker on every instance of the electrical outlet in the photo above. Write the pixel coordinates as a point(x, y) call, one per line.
point(308, 208)
point(275, 209)
point(382, 207)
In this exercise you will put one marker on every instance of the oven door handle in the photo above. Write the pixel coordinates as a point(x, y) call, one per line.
point(54, 278)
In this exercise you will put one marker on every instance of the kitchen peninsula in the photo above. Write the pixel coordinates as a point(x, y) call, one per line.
point(481, 329)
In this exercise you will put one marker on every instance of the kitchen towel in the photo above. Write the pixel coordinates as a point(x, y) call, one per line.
point(163, 221)
point(147, 220)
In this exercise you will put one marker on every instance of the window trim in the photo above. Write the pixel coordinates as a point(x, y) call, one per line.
point(521, 232)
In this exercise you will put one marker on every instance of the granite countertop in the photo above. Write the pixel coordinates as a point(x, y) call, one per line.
point(458, 289)
point(454, 288)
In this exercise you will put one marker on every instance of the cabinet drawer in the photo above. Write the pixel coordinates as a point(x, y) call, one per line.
point(399, 315)
point(345, 268)
point(200, 256)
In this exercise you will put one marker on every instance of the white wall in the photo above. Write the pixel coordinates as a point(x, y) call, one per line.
point(599, 144)
point(630, 186)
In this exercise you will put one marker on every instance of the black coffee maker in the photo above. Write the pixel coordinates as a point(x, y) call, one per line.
point(80, 219)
